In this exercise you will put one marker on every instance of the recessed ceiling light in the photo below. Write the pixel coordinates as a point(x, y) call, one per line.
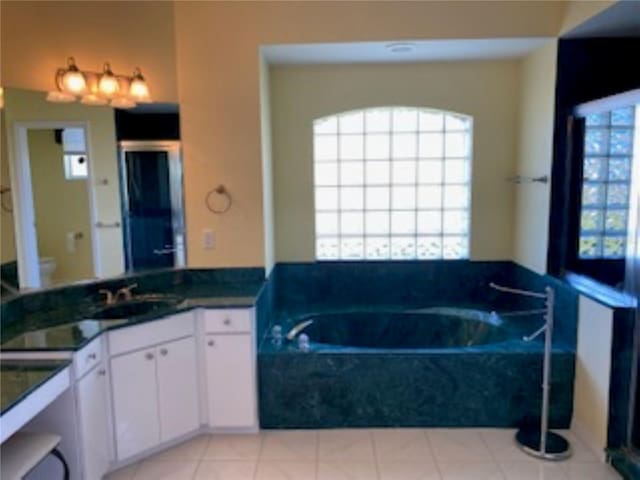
point(401, 47)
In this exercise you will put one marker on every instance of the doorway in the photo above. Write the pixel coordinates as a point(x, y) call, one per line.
point(152, 199)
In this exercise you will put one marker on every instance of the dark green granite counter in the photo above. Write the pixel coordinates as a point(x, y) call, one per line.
point(18, 378)
point(71, 326)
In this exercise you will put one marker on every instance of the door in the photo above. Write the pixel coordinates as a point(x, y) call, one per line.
point(135, 402)
point(178, 388)
point(152, 205)
point(231, 389)
point(94, 430)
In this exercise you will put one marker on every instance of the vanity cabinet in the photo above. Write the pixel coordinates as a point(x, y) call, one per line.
point(154, 388)
point(230, 378)
point(91, 394)
point(92, 391)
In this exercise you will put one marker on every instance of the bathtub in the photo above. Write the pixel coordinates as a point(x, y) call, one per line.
point(441, 366)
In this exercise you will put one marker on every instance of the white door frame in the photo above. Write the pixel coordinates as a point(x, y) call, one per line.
point(22, 197)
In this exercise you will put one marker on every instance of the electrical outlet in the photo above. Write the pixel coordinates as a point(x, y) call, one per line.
point(208, 239)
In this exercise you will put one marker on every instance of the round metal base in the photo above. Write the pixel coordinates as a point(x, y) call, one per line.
point(557, 448)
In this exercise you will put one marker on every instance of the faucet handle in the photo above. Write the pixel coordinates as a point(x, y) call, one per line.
point(126, 291)
point(109, 298)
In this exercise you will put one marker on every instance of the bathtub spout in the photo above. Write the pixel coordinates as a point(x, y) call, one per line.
point(297, 329)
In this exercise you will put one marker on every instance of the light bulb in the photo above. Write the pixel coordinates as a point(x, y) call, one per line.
point(138, 89)
point(108, 85)
point(73, 80)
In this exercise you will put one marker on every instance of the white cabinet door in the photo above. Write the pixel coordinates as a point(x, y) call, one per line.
point(177, 388)
point(135, 402)
point(231, 386)
point(94, 430)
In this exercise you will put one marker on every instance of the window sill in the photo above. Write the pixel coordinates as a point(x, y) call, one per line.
point(600, 292)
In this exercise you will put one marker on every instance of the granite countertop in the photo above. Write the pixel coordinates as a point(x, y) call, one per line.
point(18, 378)
point(71, 327)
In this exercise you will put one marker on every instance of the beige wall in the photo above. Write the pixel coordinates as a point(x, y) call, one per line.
point(593, 368)
point(217, 66)
point(8, 245)
point(30, 106)
point(37, 37)
point(488, 91)
point(219, 84)
point(61, 206)
point(579, 11)
point(531, 222)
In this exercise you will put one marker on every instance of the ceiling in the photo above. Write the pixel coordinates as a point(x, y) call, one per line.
point(423, 51)
point(619, 20)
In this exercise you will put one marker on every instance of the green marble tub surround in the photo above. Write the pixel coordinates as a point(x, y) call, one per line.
point(18, 378)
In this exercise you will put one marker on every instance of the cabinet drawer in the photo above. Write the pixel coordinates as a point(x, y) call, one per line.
point(151, 333)
point(87, 358)
point(229, 320)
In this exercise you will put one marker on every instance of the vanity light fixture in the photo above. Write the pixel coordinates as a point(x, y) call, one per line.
point(93, 88)
point(108, 86)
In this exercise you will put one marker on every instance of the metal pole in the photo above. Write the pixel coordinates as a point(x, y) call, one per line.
point(546, 373)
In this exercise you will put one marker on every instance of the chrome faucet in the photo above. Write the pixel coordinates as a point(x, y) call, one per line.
point(124, 293)
point(297, 329)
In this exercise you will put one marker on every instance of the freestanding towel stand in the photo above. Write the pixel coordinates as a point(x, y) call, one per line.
point(539, 441)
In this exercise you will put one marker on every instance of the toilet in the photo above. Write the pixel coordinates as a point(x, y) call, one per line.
point(47, 267)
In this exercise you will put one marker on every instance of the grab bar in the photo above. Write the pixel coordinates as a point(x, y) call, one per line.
point(517, 291)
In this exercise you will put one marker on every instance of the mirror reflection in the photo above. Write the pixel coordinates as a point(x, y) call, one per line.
point(97, 192)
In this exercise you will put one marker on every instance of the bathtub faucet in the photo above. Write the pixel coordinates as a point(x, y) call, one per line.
point(297, 329)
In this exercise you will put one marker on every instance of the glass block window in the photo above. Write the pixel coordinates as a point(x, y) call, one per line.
point(608, 153)
point(392, 183)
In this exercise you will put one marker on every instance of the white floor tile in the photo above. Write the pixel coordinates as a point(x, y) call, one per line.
point(297, 445)
point(590, 471)
point(503, 446)
point(408, 470)
point(462, 445)
point(285, 470)
point(125, 473)
point(537, 470)
point(350, 445)
point(166, 470)
point(225, 470)
point(579, 451)
point(395, 444)
point(190, 450)
point(233, 447)
point(346, 470)
point(470, 471)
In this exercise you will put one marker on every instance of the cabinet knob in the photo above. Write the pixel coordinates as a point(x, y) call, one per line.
point(163, 351)
point(227, 321)
point(149, 356)
point(91, 356)
point(211, 343)
point(102, 372)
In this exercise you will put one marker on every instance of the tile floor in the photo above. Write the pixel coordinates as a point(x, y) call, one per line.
point(363, 454)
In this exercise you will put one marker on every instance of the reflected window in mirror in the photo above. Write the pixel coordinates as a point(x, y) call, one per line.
point(74, 149)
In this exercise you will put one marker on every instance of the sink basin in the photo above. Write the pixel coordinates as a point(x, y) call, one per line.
point(133, 308)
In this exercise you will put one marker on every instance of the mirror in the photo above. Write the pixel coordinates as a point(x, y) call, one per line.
point(88, 192)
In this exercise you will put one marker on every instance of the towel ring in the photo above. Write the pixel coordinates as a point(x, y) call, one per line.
point(220, 190)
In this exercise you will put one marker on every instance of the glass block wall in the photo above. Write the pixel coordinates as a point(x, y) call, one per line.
point(608, 154)
point(392, 183)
